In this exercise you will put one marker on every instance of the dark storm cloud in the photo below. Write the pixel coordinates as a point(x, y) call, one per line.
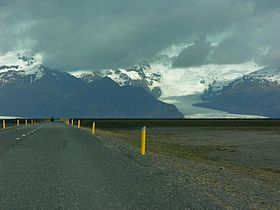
point(234, 49)
point(108, 33)
point(194, 55)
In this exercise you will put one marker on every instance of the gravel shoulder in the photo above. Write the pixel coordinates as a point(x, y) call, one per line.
point(238, 167)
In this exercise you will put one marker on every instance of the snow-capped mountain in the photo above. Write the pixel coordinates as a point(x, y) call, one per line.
point(161, 81)
point(266, 76)
point(271, 74)
point(23, 69)
point(19, 62)
point(30, 89)
point(138, 76)
point(256, 93)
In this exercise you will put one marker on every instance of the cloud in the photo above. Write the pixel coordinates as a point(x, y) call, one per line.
point(234, 49)
point(93, 34)
point(255, 39)
point(194, 55)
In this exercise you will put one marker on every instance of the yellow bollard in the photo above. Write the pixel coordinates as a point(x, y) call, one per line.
point(26, 122)
point(93, 128)
point(17, 122)
point(143, 141)
point(32, 122)
point(79, 123)
point(4, 123)
point(72, 122)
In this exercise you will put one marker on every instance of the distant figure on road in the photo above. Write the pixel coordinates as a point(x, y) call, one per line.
point(52, 119)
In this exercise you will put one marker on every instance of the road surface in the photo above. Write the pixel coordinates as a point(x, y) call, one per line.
point(58, 166)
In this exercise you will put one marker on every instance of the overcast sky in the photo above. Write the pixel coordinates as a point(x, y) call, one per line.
point(95, 34)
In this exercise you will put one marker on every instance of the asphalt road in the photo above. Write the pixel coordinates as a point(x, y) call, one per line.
point(57, 166)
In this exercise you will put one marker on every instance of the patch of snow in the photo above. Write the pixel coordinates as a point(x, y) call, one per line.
point(219, 115)
point(78, 74)
point(114, 76)
point(134, 75)
point(8, 117)
point(38, 71)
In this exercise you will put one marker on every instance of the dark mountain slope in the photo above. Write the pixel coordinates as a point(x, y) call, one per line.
point(105, 98)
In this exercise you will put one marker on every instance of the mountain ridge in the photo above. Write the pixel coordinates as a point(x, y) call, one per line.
point(33, 90)
point(138, 75)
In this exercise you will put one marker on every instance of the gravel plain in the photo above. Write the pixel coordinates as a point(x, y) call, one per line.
point(237, 166)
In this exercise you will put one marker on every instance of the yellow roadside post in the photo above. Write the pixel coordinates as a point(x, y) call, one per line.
point(93, 128)
point(4, 124)
point(32, 122)
point(26, 122)
point(17, 122)
point(72, 122)
point(79, 123)
point(143, 141)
